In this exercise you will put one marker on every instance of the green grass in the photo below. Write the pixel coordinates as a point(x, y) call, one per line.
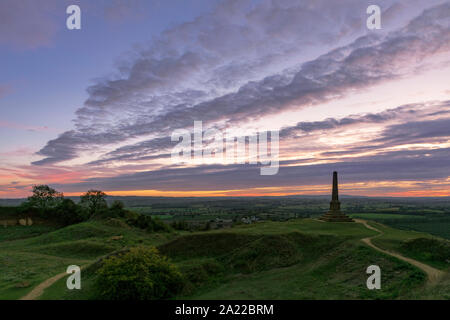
point(339, 274)
point(24, 263)
point(21, 271)
point(438, 292)
point(297, 259)
point(437, 227)
point(307, 226)
point(417, 245)
point(21, 232)
point(59, 291)
point(435, 224)
point(383, 216)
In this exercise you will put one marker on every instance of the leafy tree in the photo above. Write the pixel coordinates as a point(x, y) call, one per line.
point(94, 200)
point(68, 212)
point(140, 274)
point(44, 197)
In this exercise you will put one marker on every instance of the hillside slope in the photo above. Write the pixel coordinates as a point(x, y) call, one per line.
point(299, 259)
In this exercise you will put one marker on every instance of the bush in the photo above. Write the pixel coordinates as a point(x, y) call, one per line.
point(159, 226)
point(117, 209)
point(140, 274)
point(432, 250)
point(147, 222)
point(68, 212)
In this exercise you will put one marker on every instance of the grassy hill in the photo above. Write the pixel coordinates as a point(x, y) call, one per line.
point(298, 259)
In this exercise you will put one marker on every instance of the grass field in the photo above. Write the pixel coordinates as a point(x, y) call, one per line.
point(26, 262)
point(385, 216)
point(19, 232)
point(421, 246)
point(435, 224)
point(298, 259)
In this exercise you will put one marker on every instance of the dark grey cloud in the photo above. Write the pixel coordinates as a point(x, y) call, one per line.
point(409, 165)
point(417, 132)
point(332, 123)
point(407, 114)
point(145, 86)
point(366, 61)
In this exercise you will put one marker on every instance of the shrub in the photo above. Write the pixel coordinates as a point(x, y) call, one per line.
point(158, 225)
point(68, 212)
point(140, 274)
point(148, 223)
point(117, 209)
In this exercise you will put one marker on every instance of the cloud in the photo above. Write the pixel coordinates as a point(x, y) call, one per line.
point(158, 87)
point(402, 165)
point(413, 110)
point(160, 148)
point(380, 165)
point(417, 132)
point(19, 126)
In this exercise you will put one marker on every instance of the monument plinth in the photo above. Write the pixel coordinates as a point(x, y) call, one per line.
point(335, 214)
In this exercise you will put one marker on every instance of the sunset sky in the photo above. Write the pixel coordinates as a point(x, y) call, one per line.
point(96, 107)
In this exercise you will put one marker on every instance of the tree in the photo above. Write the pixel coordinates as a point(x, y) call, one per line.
point(68, 212)
point(140, 274)
point(94, 200)
point(44, 197)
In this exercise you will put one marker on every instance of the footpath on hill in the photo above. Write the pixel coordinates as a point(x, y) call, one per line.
point(39, 289)
point(433, 274)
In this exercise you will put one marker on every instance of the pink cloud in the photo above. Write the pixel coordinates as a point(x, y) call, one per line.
point(18, 126)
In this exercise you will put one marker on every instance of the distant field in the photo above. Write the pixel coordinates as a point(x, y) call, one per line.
point(384, 216)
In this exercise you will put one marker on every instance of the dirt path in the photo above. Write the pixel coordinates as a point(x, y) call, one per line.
point(39, 289)
point(433, 274)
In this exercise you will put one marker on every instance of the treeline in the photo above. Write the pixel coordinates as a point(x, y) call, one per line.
point(49, 204)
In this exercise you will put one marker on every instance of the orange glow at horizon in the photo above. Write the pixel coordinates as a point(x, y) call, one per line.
point(374, 189)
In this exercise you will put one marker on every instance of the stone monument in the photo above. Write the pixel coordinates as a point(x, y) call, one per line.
point(335, 214)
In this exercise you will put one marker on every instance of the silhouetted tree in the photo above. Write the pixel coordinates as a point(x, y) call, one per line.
point(94, 200)
point(68, 212)
point(44, 197)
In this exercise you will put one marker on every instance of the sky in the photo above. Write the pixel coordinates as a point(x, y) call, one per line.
point(97, 108)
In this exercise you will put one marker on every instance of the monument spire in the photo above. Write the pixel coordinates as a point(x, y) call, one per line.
point(335, 187)
point(335, 214)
